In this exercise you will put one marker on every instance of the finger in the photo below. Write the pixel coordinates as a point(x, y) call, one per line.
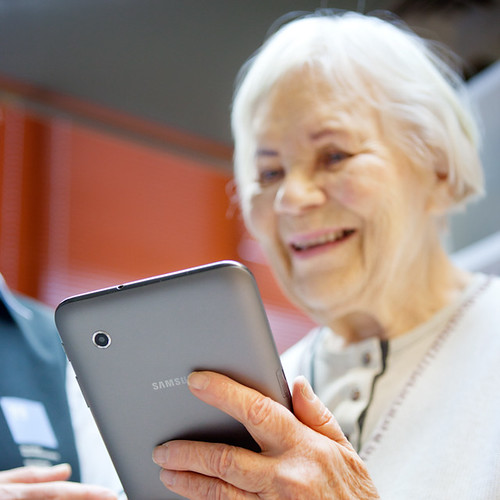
point(244, 469)
point(309, 409)
point(34, 474)
point(54, 491)
point(269, 422)
point(192, 485)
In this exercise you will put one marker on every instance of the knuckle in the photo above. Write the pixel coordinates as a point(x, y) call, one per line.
point(222, 460)
point(259, 410)
point(325, 417)
point(216, 491)
point(220, 490)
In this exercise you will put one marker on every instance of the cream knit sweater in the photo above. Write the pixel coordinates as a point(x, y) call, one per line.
point(438, 435)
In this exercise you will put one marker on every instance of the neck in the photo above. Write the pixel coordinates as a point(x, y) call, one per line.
point(401, 305)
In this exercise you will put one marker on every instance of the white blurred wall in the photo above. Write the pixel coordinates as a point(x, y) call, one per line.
point(475, 235)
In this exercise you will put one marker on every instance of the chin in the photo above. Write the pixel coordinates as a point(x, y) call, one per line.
point(333, 292)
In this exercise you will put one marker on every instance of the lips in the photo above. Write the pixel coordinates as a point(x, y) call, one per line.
point(303, 243)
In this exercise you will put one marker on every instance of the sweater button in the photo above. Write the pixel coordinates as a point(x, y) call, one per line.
point(367, 358)
point(355, 394)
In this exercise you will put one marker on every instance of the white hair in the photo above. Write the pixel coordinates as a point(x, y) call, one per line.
point(421, 99)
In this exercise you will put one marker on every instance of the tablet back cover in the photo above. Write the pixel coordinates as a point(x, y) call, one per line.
point(160, 330)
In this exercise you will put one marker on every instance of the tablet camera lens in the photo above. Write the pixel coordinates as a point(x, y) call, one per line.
point(101, 340)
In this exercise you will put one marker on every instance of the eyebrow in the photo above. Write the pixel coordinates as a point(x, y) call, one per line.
point(263, 152)
point(324, 133)
point(266, 152)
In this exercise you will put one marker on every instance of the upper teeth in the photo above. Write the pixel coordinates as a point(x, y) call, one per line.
point(321, 240)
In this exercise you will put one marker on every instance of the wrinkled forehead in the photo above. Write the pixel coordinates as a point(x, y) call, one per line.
point(308, 100)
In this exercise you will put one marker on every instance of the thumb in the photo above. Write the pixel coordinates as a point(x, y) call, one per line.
point(309, 409)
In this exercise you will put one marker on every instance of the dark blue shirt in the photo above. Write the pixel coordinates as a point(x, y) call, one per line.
point(35, 422)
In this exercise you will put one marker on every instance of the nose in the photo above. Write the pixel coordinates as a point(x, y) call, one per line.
point(297, 194)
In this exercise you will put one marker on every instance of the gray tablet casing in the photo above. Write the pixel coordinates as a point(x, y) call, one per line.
point(161, 329)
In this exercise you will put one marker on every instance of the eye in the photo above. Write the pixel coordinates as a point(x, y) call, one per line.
point(332, 159)
point(270, 175)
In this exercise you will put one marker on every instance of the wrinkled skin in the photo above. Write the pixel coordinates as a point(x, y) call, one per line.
point(47, 483)
point(305, 455)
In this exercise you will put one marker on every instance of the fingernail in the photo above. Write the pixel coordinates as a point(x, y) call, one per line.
point(198, 381)
point(307, 391)
point(160, 454)
point(167, 477)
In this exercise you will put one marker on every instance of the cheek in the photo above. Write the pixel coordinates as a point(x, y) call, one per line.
point(366, 190)
point(358, 195)
point(348, 193)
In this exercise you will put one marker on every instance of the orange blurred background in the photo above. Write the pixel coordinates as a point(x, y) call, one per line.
point(84, 208)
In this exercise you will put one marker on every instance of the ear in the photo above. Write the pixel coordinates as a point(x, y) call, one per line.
point(233, 197)
point(441, 196)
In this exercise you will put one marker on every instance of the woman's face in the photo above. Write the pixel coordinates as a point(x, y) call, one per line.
point(339, 212)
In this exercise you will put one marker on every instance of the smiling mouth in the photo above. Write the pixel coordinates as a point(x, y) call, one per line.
point(325, 239)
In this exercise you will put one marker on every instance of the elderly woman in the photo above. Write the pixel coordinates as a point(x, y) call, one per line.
point(353, 142)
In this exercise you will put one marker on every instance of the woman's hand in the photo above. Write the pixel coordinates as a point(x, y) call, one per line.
point(305, 455)
point(41, 483)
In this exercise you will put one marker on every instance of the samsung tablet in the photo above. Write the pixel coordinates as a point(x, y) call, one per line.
point(132, 347)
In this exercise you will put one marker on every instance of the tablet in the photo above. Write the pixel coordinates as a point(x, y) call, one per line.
point(133, 345)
